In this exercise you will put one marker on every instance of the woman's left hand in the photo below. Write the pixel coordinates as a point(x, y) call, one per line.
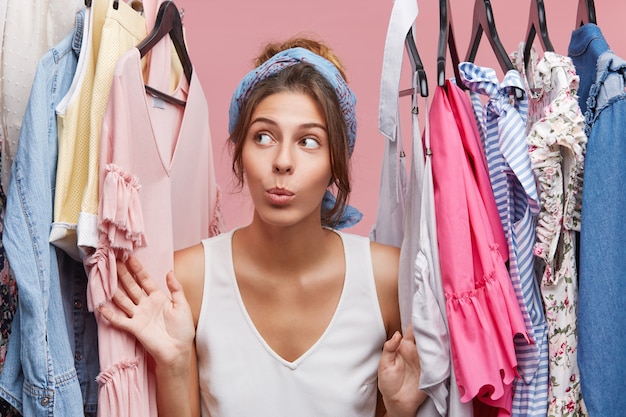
point(399, 375)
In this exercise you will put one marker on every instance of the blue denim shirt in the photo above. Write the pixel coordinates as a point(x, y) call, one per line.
point(602, 278)
point(586, 45)
point(39, 377)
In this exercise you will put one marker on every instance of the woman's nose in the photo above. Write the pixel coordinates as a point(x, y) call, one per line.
point(284, 162)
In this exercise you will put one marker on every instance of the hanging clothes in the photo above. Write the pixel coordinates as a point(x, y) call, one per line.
point(502, 127)
point(557, 143)
point(419, 265)
point(8, 287)
point(158, 194)
point(406, 218)
point(388, 227)
point(29, 29)
point(39, 376)
point(8, 302)
point(113, 32)
point(24, 39)
point(602, 306)
point(481, 306)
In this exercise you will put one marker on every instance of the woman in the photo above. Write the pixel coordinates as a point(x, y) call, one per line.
point(285, 316)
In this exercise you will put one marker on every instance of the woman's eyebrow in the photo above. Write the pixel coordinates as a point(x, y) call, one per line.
point(303, 125)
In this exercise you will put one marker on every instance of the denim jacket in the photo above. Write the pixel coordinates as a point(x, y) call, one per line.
point(602, 278)
point(39, 377)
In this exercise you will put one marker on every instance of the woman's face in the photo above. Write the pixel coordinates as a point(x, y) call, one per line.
point(286, 159)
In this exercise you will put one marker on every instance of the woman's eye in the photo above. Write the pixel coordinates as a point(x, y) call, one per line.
point(310, 143)
point(263, 139)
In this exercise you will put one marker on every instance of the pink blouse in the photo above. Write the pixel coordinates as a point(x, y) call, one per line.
point(481, 306)
point(158, 194)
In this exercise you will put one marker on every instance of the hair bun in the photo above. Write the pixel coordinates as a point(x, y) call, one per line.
point(313, 45)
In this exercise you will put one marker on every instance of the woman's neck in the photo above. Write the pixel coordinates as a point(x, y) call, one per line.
point(294, 245)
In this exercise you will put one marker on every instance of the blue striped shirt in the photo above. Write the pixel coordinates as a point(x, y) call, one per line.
point(502, 126)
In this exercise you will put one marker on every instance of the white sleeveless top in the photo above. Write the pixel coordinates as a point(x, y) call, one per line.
point(240, 374)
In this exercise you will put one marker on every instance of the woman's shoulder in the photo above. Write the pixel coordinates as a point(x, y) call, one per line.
point(385, 264)
point(189, 271)
point(382, 255)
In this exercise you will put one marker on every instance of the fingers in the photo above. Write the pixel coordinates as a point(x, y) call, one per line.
point(409, 336)
point(141, 275)
point(176, 289)
point(134, 279)
point(114, 318)
point(390, 349)
point(128, 284)
point(124, 303)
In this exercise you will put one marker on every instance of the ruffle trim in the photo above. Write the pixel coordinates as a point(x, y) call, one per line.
point(101, 268)
point(557, 143)
point(124, 390)
point(112, 373)
point(483, 323)
point(121, 232)
point(556, 70)
point(120, 213)
point(216, 225)
point(570, 405)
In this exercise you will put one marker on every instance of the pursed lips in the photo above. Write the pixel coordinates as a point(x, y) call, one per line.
point(279, 196)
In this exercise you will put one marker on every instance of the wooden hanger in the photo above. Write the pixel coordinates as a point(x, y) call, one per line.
point(416, 63)
point(536, 25)
point(168, 22)
point(483, 21)
point(446, 42)
point(586, 13)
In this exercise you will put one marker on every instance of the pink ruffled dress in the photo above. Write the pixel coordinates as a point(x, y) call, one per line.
point(157, 194)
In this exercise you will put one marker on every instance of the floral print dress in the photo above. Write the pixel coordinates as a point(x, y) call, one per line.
point(8, 301)
point(557, 142)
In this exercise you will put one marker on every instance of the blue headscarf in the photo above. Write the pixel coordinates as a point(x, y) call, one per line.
point(347, 102)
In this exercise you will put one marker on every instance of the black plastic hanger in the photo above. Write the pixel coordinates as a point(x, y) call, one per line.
point(416, 63)
point(536, 25)
point(446, 42)
point(87, 3)
point(483, 21)
point(586, 12)
point(168, 22)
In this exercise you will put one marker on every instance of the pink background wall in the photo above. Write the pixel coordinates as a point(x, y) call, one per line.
point(224, 36)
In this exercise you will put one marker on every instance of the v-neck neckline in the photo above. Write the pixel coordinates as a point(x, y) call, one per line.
point(166, 162)
point(311, 349)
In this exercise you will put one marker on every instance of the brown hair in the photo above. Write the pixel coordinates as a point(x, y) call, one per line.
point(302, 78)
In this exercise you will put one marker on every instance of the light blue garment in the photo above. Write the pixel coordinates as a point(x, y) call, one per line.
point(586, 46)
point(502, 126)
point(601, 301)
point(39, 377)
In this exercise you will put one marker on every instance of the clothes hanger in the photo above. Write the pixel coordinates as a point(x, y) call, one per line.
point(416, 63)
point(536, 25)
point(483, 20)
point(116, 5)
point(168, 22)
point(586, 13)
point(446, 42)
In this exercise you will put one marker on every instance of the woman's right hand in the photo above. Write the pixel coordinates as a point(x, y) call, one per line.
point(162, 325)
